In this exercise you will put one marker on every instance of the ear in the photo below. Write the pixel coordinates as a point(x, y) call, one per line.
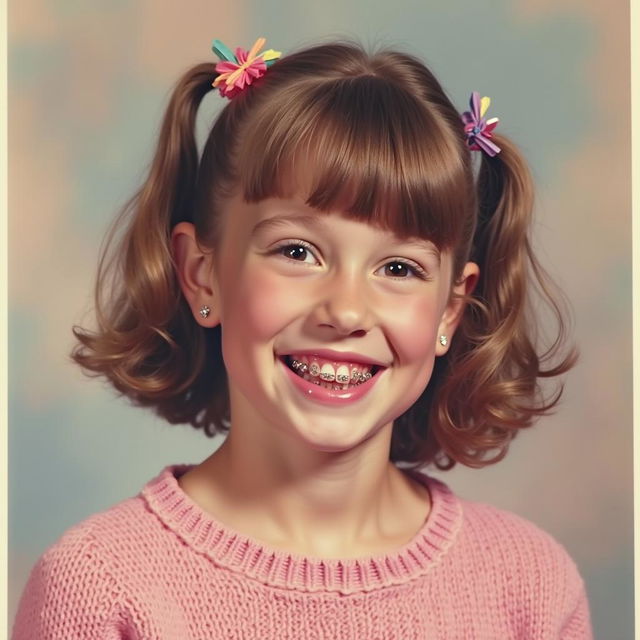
point(196, 274)
point(455, 306)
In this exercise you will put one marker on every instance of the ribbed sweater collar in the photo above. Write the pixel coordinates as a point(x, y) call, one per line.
point(248, 556)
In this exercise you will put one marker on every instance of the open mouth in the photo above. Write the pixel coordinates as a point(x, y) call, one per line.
point(338, 376)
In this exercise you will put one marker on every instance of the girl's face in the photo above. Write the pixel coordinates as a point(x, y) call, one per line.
point(291, 280)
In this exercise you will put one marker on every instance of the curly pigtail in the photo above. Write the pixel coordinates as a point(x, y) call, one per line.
point(142, 319)
point(492, 385)
point(487, 387)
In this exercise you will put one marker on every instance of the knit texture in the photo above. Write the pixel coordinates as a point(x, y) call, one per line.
point(157, 566)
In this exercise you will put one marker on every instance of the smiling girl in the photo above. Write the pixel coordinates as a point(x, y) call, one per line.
point(341, 283)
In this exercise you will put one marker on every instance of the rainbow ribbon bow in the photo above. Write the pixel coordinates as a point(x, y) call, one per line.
point(236, 72)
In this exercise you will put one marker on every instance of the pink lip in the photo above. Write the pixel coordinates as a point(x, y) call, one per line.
point(337, 356)
point(329, 396)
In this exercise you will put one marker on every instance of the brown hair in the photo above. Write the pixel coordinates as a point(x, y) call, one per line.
point(387, 147)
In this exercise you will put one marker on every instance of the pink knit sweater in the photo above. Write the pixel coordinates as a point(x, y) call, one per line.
point(158, 566)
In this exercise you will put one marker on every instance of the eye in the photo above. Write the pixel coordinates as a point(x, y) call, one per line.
point(298, 251)
point(403, 270)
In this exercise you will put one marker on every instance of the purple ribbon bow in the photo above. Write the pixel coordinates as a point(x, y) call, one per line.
point(477, 128)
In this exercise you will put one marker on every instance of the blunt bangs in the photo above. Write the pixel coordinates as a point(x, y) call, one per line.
point(364, 148)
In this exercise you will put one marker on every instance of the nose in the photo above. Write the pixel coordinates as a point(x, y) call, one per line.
point(345, 304)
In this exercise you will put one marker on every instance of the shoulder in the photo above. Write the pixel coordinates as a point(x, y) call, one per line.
point(74, 589)
point(88, 545)
point(510, 550)
point(526, 561)
point(496, 531)
point(515, 538)
point(100, 539)
point(513, 566)
point(106, 541)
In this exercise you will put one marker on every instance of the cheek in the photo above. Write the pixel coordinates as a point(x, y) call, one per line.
point(257, 304)
point(414, 326)
point(414, 332)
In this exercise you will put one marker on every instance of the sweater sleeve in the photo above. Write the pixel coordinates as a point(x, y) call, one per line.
point(578, 624)
point(71, 593)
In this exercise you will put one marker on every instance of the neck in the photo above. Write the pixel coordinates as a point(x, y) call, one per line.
point(329, 504)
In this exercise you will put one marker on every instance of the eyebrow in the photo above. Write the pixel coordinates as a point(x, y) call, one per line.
point(281, 221)
point(423, 245)
point(318, 222)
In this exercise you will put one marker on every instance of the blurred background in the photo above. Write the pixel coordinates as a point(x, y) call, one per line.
point(88, 83)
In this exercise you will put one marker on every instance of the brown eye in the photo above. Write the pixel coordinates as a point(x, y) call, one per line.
point(397, 269)
point(295, 252)
point(404, 270)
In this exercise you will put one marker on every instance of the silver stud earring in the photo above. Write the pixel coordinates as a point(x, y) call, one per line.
point(443, 341)
point(205, 311)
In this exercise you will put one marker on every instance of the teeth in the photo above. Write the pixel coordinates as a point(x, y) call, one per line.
point(342, 374)
point(300, 366)
point(327, 373)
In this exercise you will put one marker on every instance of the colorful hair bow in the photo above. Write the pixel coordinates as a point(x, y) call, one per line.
point(478, 129)
point(235, 72)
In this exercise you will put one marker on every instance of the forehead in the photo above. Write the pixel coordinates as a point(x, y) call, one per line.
point(274, 217)
point(397, 166)
point(300, 196)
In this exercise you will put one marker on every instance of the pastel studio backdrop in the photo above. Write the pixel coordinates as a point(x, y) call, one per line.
point(88, 83)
